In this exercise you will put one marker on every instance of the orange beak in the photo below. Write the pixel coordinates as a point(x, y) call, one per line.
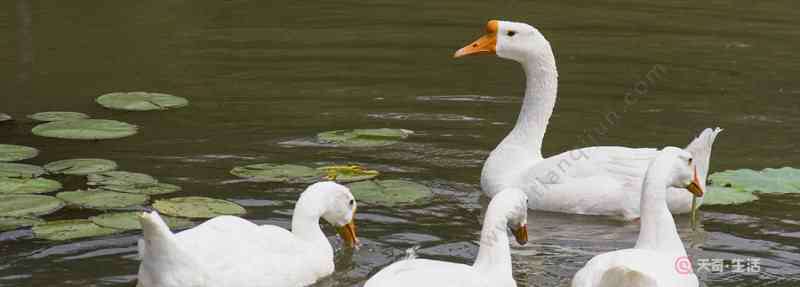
point(348, 234)
point(487, 44)
point(521, 234)
point(694, 187)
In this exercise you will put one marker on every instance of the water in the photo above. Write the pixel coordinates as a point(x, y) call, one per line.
point(259, 73)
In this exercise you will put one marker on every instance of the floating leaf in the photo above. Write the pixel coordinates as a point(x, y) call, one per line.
point(149, 189)
point(58, 116)
point(390, 192)
point(770, 180)
point(102, 199)
point(11, 223)
point(28, 185)
point(141, 101)
point(5, 117)
point(121, 178)
point(90, 129)
point(363, 137)
point(348, 173)
point(131, 182)
point(80, 166)
point(28, 205)
point(718, 195)
point(130, 221)
point(20, 170)
point(10, 152)
point(61, 230)
point(286, 173)
point(197, 207)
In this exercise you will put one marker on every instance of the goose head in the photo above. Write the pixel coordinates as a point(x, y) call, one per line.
point(338, 209)
point(512, 206)
point(683, 172)
point(510, 40)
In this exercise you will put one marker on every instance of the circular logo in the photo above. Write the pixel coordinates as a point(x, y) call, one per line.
point(683, 265)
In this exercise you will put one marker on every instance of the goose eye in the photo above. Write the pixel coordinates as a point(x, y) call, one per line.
point(511, 33)
point(690, 161)
point(352, 201)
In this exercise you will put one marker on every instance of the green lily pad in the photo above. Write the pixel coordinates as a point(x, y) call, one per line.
point(89, 129)
point(58, 116)
point(80, 166)
point(61, 230)
point(20, 170)
point(197, 207)
point(149, 189)
point(5, 117)
point(28, 205)
point(102, 199)
point(141, 101)
point(130, 221)
point(121, 178)
point(12, 223)
point(348, 173)
point(363, 137)
point(28, 185)
point(718, 195)
point(285, 173)
point(770, 180)
point(390, 192)
point(10, 152)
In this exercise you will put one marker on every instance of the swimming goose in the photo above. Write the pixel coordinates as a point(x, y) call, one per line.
point(600, 180)
point(508, 209)
point(229, 251)
point(659, 258)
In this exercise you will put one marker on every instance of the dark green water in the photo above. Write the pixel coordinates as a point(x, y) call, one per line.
point(259, 73)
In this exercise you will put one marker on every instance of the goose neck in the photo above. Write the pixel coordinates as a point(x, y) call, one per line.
point(494, 253)
point(658, 230)
point(541, 86)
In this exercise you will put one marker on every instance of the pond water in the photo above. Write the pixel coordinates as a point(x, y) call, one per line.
point(259, 73)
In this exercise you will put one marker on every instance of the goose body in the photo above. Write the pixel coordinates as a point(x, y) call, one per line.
point(599, 180)
point(659, 254)
point(493, 264)
point(231, 251)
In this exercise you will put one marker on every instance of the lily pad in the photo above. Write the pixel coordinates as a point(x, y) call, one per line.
point(28, 185)
point(141, 101)
point(718, 195)
point(58, 116)
point(197, 207)
point(10, 152)
point(11, 223)
point(28, 205)
point(80, 166)
point(149, 189)
point(102, 199)
point(364, 137)
point(390, 192)
point(121, 178)
point(89, 129)
point(348, 173)
point(770, 180)
point(5, 117)
point(61, 230)
point(285, 173)
point(20, 170)
point(130, 221)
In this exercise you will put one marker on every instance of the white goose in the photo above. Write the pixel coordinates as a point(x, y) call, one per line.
point(491, 268)
point(601, 180)
point(229, 251)
point(659, 258)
